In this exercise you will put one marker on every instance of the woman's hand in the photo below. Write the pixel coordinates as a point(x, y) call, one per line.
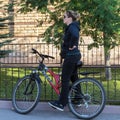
point(72, 47)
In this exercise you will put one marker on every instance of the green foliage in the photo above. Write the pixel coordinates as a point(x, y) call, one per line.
point(3, 53)
point(100, 19)
point(5, 34)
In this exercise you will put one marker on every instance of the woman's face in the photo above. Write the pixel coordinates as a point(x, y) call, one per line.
point(67, 20)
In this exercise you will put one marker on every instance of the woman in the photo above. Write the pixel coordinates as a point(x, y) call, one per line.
point(71, 56)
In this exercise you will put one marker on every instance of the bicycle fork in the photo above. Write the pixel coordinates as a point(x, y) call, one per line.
point(30, 85)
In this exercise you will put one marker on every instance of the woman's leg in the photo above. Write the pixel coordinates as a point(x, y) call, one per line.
point(67, 72)
point(75, 77)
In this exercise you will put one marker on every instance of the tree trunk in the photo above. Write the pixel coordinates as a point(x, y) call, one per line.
point(108, 74)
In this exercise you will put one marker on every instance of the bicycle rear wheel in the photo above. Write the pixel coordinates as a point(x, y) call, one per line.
point(91, 98)
point(26, 95)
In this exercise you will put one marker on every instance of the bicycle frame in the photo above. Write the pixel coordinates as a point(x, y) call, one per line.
point(56, 86)
point(43, 68)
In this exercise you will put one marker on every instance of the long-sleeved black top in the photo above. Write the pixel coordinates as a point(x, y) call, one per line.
point(71, 37)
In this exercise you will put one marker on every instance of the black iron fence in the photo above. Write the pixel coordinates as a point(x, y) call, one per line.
point(10, 75)
point(20, 61)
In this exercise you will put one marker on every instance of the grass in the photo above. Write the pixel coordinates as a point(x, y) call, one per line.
point(9, 76)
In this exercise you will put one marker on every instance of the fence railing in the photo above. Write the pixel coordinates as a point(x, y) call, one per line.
point(21, 54)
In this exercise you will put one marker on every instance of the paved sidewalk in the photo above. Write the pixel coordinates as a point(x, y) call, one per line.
point(44, 112)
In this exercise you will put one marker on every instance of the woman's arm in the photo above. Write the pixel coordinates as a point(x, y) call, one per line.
point(74, 33)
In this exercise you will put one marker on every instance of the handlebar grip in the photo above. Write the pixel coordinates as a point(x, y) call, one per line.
point(51, 57)
point(47, 56)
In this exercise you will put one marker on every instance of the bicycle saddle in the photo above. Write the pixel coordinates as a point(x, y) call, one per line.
point(79, 64)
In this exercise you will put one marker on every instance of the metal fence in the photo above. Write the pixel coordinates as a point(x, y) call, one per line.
point(20, 61)
point(10, 75)
point(21, 54)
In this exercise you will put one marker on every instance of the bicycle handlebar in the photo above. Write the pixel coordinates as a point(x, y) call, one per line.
point(41, 55)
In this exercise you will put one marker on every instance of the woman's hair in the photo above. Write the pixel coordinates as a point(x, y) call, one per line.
point(73, 14)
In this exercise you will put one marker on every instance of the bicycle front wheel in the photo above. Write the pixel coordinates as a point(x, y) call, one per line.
point(26, 95)
point(89, 100)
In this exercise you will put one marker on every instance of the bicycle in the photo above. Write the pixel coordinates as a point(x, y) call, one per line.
point(26, 93)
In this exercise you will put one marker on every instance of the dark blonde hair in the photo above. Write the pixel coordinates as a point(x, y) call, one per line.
point(73, 14)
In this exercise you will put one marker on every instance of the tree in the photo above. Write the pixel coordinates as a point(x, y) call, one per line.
point(4, 28)
point(100, 19)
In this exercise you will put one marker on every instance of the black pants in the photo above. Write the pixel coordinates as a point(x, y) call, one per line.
point(69, 72)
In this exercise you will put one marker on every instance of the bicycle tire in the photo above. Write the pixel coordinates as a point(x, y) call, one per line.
point(26, 95)
point(93, 98)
